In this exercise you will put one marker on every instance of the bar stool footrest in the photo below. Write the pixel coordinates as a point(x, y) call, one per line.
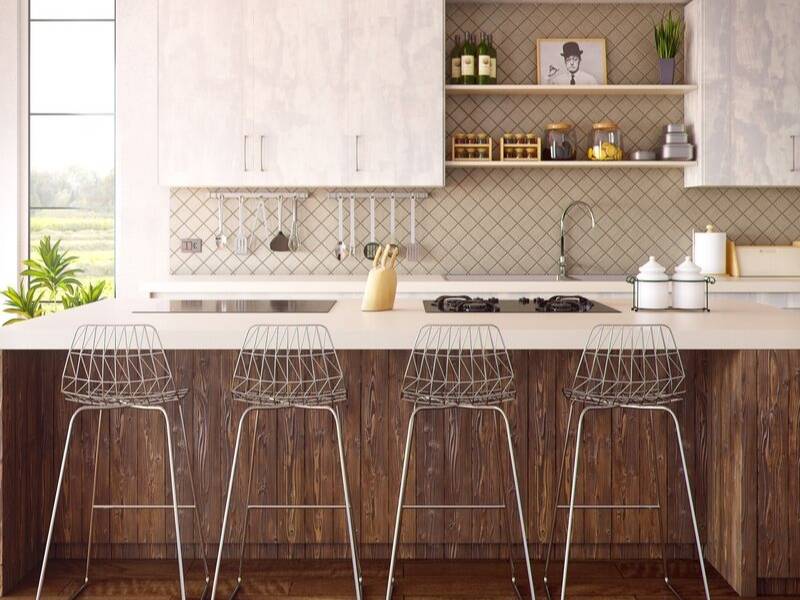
point(455, 506)
point(610, 506)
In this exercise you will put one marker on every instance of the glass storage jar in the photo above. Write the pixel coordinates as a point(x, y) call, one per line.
point(560, 142)
point(605, 142)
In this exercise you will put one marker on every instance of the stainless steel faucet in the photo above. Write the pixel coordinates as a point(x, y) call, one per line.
point(562, 259)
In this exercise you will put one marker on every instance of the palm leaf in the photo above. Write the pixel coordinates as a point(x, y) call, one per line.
point(24, 302)
point(53, 271)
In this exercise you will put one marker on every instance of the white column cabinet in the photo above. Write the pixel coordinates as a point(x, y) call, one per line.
point(200, 95)
point(746, 112)
point(301, 93)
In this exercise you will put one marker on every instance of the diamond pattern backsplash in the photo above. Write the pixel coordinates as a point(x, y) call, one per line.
point(506, 222)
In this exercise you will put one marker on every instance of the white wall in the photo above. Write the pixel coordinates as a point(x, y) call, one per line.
point(11, 149)
point(142, 206)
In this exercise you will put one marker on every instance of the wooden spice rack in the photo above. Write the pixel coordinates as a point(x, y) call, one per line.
point(459, 150)
point(506, 148)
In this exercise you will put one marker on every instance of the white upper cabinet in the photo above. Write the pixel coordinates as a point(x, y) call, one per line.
point(395, 74)
point(295, 92)
point(200, 67)
point(746, 112)
point(302, 93)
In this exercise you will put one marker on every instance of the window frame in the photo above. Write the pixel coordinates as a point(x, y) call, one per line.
point(27, 178)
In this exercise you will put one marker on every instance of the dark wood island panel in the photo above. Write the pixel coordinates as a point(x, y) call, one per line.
point(740, 421)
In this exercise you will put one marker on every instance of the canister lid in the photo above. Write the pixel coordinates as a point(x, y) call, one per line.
point(687, 271)
point(604, 125)
point(560, 126)
point(652, 271)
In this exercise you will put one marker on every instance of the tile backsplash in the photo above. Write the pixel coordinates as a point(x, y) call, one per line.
point(506, 222)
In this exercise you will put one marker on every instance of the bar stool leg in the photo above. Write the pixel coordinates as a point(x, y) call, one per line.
point(70, 429)
point(198, 522)
point(228, 500)
point(348, 507)
point(559, 482)
point(504, 492)
point(94, 498)
point(525, 548)
point(400, 501)
point(651, 430)
point(247, 508)
point(171, 455)
point(691, 499)
point(572, 499)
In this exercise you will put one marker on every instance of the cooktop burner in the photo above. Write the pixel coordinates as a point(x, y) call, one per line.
point(554, 304)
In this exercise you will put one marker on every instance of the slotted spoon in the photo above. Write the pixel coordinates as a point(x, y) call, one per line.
point(371, 247)
point(221, 240)
point(414, 248)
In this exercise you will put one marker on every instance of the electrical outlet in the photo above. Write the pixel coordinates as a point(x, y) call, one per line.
point(192, 246)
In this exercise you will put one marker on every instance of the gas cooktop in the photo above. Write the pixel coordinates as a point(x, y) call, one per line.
point(554, 304)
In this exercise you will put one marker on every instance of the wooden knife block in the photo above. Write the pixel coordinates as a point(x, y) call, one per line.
point(381, 286)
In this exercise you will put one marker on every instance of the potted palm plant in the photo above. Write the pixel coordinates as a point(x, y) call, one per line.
point(669, 37)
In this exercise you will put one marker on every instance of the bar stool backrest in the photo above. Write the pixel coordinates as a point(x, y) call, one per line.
point(629, 364)
point(459, 364)
point(117, 365)
point(288, 364)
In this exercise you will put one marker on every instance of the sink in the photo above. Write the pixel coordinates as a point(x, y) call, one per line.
point(533, 278)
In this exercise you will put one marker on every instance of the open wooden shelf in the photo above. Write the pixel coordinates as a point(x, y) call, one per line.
point(570, 164)
point(569, 90)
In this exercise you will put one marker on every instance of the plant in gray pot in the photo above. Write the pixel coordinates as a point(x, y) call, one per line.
point(669, 37)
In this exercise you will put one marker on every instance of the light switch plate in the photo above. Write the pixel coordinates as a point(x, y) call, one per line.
point(192, 246)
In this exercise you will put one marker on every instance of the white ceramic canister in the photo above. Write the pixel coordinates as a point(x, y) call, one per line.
point(652, 286)
point(709, 250)
point(688, 286)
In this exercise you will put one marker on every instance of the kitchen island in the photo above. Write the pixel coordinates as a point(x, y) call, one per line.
point(740, 425)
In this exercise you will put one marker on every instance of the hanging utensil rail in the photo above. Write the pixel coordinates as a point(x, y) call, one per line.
point(214, 195)
point(379, 195)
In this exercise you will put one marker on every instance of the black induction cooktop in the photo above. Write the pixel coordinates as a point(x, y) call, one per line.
point(243, 306)
point(554, 304)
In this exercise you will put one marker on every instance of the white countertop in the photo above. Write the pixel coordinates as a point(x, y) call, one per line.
point(299, 286)
point(731, 324)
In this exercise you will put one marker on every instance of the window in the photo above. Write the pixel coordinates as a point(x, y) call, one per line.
point(71, 104)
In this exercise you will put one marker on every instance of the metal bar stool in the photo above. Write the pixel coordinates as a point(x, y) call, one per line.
point(631, 367)
point(115, 367)
point(461, 367)
point(287, 367)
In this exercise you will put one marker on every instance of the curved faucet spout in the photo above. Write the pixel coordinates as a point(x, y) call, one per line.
point(562, 259)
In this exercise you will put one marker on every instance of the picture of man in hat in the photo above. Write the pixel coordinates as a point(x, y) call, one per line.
point(571, 74)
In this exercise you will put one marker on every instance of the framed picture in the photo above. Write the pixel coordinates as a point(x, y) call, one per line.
point(571, 61)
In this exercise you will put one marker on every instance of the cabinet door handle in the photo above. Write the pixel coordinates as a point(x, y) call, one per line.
point(261, 152)
point(245, 153)
point(358, 165)
point(794, 153)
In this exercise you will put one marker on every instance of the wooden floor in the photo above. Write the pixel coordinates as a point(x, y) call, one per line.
point(419, 580)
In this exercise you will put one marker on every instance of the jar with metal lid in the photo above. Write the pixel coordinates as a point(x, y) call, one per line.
point(605, 142)
point(560, 142)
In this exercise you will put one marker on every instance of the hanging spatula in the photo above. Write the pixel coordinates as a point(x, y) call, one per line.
point(280, 243)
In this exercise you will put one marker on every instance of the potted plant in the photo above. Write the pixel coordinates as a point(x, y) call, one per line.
point(53, 279)
point(669, 37)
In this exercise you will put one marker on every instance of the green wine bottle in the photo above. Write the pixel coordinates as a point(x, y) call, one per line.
point(455, 61)
point(493, 54)
point(484, 61)
point(468, 61)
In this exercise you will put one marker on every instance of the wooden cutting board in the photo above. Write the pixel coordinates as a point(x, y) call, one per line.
point(764, 261)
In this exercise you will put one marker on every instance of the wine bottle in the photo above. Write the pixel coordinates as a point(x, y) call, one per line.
point(493, 55)
point(455, 61)
point(468, 61)
point(484, 61)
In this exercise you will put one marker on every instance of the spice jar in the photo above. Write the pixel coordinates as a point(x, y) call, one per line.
point(483, 138)
point(508, 138)
point(519, 138)
point(605, 142)
point(460, 138)
point(531, 138)
point(483, 153)
point(519, 152)
point(560, 142)
point(472, 138)
point(688, 287)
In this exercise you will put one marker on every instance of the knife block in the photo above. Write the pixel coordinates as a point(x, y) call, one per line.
point(381, 286)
